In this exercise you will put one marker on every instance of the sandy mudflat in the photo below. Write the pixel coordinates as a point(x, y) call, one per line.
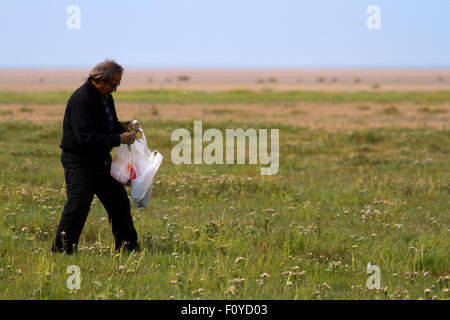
point(331, 117)
point(216, 80)
point(342, 116)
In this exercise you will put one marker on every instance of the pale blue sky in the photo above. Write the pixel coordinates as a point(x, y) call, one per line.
point(226, 33)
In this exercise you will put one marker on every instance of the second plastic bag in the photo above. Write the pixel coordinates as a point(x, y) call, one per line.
point(121, 164)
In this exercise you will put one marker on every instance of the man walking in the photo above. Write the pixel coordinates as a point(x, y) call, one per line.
point(90, 131)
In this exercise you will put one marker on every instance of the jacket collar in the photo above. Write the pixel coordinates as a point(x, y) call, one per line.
point(95, 92)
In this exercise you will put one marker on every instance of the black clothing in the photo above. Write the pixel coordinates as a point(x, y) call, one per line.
point(87, 141)
point(82, 182)
point(87, 136)
point(108, 113)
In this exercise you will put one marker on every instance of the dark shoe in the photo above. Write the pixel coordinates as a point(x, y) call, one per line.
point(136, 247)
point(131, 247)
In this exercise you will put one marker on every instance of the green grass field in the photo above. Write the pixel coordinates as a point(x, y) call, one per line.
point(339, 201)
point(237, 96)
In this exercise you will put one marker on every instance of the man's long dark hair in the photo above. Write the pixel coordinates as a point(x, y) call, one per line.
point(105, 70)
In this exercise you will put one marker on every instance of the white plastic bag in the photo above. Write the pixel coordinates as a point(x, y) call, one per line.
point(145, 164)
point(137, 165)
point(120, 166)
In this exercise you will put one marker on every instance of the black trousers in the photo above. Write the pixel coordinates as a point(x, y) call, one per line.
point(83, 181)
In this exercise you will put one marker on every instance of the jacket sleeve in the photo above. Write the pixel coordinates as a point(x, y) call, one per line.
point(84, 127)
point(118, 128)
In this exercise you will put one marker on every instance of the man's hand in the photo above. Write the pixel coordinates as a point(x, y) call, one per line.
point(127, 137)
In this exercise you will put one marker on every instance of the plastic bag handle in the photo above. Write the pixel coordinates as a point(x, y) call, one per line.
point(143, 140)
point(143, 136)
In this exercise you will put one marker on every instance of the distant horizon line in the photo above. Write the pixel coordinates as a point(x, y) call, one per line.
point(134, 67)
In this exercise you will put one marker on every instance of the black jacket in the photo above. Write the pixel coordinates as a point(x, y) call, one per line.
point(87, 137)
